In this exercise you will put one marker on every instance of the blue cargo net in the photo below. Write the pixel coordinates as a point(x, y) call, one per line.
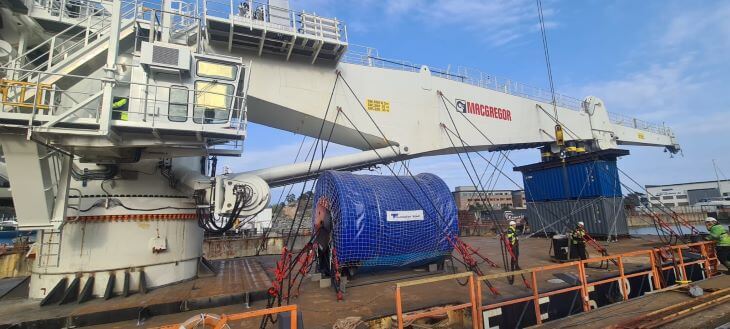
point(376, 222)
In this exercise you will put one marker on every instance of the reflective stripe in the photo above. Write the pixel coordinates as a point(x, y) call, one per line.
point(119, 103)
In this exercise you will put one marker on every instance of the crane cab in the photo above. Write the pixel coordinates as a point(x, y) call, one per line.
point(181, 92)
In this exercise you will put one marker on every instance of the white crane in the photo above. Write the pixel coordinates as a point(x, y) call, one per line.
point(109, 126)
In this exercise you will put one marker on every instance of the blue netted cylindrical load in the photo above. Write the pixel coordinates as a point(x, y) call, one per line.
point(386, 221)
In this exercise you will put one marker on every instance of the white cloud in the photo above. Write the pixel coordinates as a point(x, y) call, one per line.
point(685, 85)
point(705, 25)
point(497, 22)
point(656, 93)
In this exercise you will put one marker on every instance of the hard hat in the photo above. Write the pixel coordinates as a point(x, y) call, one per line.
point(581, 223)
point(710, 220)
point(512, 222)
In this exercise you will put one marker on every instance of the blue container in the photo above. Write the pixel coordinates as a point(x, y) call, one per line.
point(585, 180)
point(385, 221)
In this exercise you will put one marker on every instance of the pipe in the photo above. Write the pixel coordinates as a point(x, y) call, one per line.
point(299, 172)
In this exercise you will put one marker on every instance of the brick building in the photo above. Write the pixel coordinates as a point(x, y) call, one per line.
point(466, 196)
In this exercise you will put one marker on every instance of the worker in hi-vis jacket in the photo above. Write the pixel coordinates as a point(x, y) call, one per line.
point(513, 241)
point(579, 240)
point(718, 233)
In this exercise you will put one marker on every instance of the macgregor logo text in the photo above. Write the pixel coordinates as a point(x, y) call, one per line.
point(483, 110)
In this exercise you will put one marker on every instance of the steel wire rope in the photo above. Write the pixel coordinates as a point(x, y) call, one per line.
point(405, 166)
point(480, 189)
point(547, 56)
point(514, 264)
point(560, 219)
point(311, 162)
point(410, 193)
point(267, 318)
point(295, 260)
point(319, 167)
point(631, 190)
point(479, 130)
point(568, 129)
point(275, 220)
point(666, 209)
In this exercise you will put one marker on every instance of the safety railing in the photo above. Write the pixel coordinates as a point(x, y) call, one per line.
point(583, 287)
point(626, 121)
point(75, 38)
point(72, 9)
point(212, 321)
point(185, 22)
point(401, 318)
point(708, 260)
point(263, 15)
point(13, 95)
point(155, 108)
point(536, 295)
point(367, 56)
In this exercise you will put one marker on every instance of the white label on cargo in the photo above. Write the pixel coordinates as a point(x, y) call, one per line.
point(404, 215)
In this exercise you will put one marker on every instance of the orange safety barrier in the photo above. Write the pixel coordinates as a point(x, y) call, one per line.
point(709, 262)
point(223, 320)
point(583, 286)
point(536, 295)
point(399, 306)
point(622, 278)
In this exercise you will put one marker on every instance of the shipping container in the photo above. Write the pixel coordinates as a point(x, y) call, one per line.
point(602, 216)
point(588, 176)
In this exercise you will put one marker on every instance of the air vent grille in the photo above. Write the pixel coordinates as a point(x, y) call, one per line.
point(165, 56)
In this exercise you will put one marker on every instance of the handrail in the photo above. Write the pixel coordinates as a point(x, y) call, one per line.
point(399, 304)
point(210, 321)
point(582, 286)
point(367, 56)
point(69, 45)
point(235, 121)
point(13, 61)
point(303, 23)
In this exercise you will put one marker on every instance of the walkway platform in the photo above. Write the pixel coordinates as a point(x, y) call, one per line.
point(236, 282)
point(370, 297)
point(712, 317)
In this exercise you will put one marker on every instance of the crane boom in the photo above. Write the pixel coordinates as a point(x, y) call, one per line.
point(406, 115)
point(294, 98)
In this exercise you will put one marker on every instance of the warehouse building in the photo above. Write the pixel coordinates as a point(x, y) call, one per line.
point(687, 194)
point(466, 196)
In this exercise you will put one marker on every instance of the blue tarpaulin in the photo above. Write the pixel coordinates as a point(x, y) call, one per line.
point(387, 221)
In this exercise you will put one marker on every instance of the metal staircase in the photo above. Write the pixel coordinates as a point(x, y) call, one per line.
point(69, 10)
point(68, 50)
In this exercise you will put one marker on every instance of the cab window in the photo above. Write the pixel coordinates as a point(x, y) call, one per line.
point(212, 102)
point(216, 70)
point(178, 104)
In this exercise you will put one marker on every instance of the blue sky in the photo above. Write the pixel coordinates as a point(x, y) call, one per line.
point(662, 61)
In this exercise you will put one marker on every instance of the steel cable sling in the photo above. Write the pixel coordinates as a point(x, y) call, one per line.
point(658, 222)
point(479, 130)
point(406, 169)
point(674, 214)
point(285, 266)
point(513, 264)
point(275, 220)
point(559, 219)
